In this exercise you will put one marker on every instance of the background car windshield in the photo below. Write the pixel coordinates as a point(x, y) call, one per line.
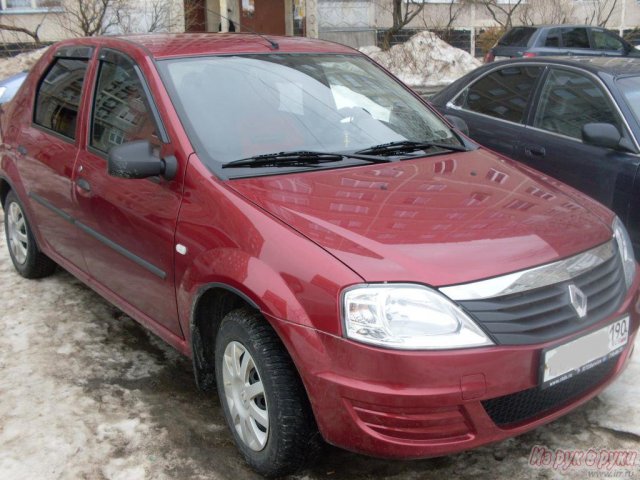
point(242, 106)
point(630, 88)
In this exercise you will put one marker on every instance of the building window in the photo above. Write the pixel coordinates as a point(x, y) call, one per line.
point(30, 5)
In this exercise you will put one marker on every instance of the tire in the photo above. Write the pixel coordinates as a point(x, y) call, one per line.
point(289, 439)
point(27, 258)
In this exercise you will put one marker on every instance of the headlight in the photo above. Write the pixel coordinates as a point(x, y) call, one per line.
point(626, 251)
point(409, 317)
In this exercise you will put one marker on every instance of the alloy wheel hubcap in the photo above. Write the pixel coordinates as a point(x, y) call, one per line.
point(17, 233)
point(245, 396)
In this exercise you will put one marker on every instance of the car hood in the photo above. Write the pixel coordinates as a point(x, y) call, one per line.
point(438, 220)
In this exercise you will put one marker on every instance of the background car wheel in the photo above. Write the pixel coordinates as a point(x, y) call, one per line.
point(28, 260)
point(263, 399)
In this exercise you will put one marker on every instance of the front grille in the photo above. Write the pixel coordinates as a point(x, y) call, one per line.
point(546, 313)
point(521, 406)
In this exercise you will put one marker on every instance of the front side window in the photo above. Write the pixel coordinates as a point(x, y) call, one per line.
point(503, 94)
point(242, 106)
point(606, 41)
point(58, 96)
point(120, 112)
point(570, 100)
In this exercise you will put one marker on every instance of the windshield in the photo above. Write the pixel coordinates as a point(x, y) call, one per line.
point(630, 88)
point(235, 107)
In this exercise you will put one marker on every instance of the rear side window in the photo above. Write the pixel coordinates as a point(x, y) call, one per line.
point(575, 38)
point(517, 37)
point(570, 100)
point(502, 94)
point(606, 41)
point(120, 112)
point(553, 38)
point(58, 96)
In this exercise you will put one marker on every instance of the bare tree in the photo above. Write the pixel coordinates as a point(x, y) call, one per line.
point(443, 17)
point(87, 18)
point(402, 13)
point(546, 12)
point(598, 13)
point(146, 16)
point(502, 13)
point(16, 29)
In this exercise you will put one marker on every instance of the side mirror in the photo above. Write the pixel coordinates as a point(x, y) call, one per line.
point(601, 135)
point(459, 123)
point(138, 160)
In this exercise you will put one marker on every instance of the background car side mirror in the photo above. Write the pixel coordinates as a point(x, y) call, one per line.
point(601, 135)
point(458, 123)
point(137, 159)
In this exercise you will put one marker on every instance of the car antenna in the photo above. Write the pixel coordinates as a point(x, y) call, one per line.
point(274, 45)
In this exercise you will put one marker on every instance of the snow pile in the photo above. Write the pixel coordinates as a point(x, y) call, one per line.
point(24, 61)
point(424, 60)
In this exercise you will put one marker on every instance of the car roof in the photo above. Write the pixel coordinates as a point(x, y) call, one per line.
point(169, 45)
point(615, 66)
point(563, 25)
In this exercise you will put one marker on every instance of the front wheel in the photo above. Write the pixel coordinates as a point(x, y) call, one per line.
point(27, 258)
point(264, 402)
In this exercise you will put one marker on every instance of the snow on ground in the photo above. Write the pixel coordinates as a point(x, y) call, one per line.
point(86, 393)
point(24, 61)
point(424, 60)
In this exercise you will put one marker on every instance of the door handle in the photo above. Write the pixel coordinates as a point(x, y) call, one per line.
point(534, 151)
point(82, 184)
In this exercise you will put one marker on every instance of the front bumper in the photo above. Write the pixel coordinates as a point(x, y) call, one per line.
point(403, 404)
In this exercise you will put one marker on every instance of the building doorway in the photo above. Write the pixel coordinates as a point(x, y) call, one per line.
point(262, 16)
point(195, 16)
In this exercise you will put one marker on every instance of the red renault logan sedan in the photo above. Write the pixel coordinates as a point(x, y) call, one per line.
point(335, 258)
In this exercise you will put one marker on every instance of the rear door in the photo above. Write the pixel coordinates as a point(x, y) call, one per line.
point(495, 106)
point(48, 147)
point(569, 99)
point(575, 41)
point(130, 224)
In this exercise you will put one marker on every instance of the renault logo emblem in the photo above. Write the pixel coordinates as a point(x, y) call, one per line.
point(578, 301)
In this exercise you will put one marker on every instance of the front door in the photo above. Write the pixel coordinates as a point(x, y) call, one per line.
point(568, 100)
point(262, 16)
point(130, 223)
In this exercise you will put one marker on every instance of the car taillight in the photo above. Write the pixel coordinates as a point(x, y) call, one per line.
point(529, 54)
point(489, 57)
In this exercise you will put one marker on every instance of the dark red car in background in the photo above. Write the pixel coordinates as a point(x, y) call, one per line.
point(330, 253)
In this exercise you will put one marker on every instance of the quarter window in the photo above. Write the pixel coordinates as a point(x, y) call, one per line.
point(605, 41)
point(58, 96)
point(120, 112)
point(570, 100)
point(502, 94)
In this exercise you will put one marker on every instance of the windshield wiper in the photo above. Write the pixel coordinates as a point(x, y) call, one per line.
point(409, 146)
point(298, 159)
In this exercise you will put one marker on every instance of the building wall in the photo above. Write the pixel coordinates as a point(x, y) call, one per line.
point(56, 23)
point(355, 22)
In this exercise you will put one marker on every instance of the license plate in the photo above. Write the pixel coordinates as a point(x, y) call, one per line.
point(500, 57)
point(564, 362)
